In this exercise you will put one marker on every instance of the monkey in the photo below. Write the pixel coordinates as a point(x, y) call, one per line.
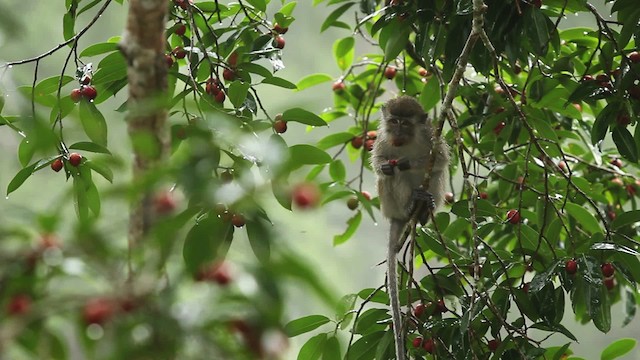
point(400, 158)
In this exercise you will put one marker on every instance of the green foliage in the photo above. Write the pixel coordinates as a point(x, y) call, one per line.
point(544, 122)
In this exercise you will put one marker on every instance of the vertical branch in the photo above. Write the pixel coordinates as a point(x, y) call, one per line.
point(143, 47)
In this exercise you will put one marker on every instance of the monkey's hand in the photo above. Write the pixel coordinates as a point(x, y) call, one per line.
point(404, 164)
point(387, 168)
point(421, 196)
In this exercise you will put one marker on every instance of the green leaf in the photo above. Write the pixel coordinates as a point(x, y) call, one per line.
point(278, 81)
point(26, 149)
point(313, 348)
point(100, 168)
point(258, 233)
point(353, 225)
point(110, 69)
point(618, 348)
point(20, 178)
point(396, 42)
point(337, 170)
point(258, 4)
point(625, 143)
point(80, 198)
point(584, 218)
point(89, 146)
point(303, 116)
point(204, 240)
point(306, 154)
point(305, 324)
point(312, 80)
point(430, 95)
point(343, 51)
point(68, 23)
point(93, 123)
point(604, 118)
point(51, 85)
point(238, 92)
point(93, 198)
point(335, 15)
point(336, 139)
point(365, 347)
point(331, 349)
point(287, 9)
point(99, 48)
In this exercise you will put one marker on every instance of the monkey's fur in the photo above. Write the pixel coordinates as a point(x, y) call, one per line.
point(400, 158)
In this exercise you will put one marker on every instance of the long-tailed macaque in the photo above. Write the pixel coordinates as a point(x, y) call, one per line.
point(400, 159)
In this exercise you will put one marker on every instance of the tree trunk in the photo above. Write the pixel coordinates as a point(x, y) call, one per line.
point(143, 46)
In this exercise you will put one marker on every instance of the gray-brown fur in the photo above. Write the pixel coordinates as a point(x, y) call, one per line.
point(405, 119)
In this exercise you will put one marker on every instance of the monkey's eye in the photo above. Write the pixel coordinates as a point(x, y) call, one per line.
point(394, 121)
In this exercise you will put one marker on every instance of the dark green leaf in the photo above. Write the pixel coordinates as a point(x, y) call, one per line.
point(583, 217)
point(26, 151)
point(313, 348)
point(337, 170)
point(625, 143)
point(99, 48)
point(397, 41)
point(20, 178)
point(331, 349)
point(258, 4)
point(303, 116)
point(305, 324)
point(112, 68)
point(335, 15)
point(93, 123)
point(68, 22)
point(204, 240)
point(430, 95)
point(238, 92)
point(277, 81)
point(101, 169)
point(89, 146)
point(258, 233)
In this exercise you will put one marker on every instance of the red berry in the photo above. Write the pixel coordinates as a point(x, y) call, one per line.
point(616, 162)
point(338, 86)
point(75, 159)
point(603, 78)
point(498, 128)
point(357, 142)
point(537, 3)
point(609, 283)
point(180, 30)
point(623, 119)
point(419, 310)
point(213, 86)
point(368, 144)
point(57, 165)
point(484, 195)
point(97, 311)
point(631, 190)
point(89, 92)
point(280, 126)
point(423, 72)
point(366, 194)
point(634, 57)
point(228, 74)
point(611, 215)
point(513, 216)
point(390, 72)
point(442, 308)
point(571, 267)
point(607, 270)
point(587, 78)
point(306, 195)
point(617, 181)
point(226, 177)
point(493, 344)
point(498, 110)
point(219, 273)
point(85, 80)
point(449, 198)
point(164, 203)
point(128, 304)
point(168, 59)
point(372, 134)
point(417, 342)
point(49, 241)
point(278, 42)
point(428, 346)
point(279, 29)
point(525, 287)
point(238, 220)
point(562, 165)
point(19, 305)
point(220, 97)
point(179, 52)
point(233, 59)
point(577, 106)
point(352, 203)
point(76, 95)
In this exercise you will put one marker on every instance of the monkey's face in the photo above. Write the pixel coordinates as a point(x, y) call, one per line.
point(401, 130)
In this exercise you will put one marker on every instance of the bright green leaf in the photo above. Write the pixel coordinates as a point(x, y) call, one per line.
point(303, 116)
point(618, 348)
point(312, 80)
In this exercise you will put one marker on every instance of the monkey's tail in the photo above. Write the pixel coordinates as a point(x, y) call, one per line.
point(392, 286)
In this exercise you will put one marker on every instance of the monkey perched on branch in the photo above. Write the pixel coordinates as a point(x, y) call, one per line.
point(400, 159)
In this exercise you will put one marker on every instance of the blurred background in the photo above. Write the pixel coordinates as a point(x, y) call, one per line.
point(31, 27)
